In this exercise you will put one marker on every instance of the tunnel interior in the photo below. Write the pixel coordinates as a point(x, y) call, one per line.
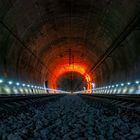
point(42, 40)
point(70, 69)
point(69, 82)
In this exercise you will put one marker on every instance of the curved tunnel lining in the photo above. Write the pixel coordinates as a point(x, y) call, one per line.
point(60, 71)
point(71, 81)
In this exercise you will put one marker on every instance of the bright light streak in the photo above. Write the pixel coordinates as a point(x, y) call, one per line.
point(128, 83)
point(137, 82)
point(93, 85)
point(17, 84)
point(122, 84)
point(1, 81)
point(23, 85)
point(10, 82)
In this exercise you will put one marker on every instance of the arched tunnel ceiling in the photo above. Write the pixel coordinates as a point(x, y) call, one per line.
point(39, 36)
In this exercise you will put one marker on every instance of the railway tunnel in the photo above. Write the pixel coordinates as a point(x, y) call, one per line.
point(66, 47)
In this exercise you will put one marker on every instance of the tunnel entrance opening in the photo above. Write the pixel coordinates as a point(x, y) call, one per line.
point(71, 82)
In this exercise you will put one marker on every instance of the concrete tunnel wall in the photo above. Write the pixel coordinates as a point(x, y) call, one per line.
point(31, 32)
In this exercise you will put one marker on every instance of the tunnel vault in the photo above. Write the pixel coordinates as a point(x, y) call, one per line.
point(41, 40)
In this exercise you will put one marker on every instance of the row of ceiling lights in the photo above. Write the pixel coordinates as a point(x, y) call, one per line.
point(26, 85)
point(122, 84)
point(20, 84)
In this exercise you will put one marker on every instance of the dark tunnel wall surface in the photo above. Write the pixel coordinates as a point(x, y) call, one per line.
point(38, 36)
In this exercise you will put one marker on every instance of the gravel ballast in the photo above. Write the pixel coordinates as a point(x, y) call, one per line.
point(70, 118)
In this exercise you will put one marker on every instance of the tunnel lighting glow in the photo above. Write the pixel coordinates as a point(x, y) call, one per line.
point(122, 84)
point(131, 90)
point(17, 84)
point(93, 85)
point(1, 81)
point(7, 89)
point(123, 88)
point(60, 71)
point(113, 86)
point(10, 82)
point(23, 85)
point(137, 82)
point(128, 83)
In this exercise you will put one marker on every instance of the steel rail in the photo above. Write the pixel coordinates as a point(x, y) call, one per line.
point(13, 103)
point(127, 101)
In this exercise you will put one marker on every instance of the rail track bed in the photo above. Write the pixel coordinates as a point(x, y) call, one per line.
point(71, 117)
point(130, 102)
point(9, 104)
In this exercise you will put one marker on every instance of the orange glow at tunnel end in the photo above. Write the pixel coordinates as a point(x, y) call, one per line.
point(66, 68)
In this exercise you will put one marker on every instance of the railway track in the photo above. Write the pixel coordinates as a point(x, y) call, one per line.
point(130, 102)
point(71, 117)
point(14, 103)
point(10, 104)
